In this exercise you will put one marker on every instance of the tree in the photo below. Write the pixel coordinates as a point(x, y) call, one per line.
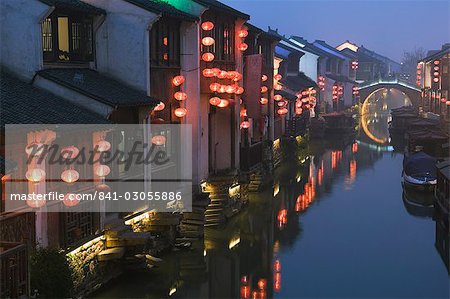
point(51, 275)
point(409, 63)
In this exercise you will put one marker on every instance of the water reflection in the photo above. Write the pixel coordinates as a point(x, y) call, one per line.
point(335, 224)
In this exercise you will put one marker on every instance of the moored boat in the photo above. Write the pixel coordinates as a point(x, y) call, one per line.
point(419, 172)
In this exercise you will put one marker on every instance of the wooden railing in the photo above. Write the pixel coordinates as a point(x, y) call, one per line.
point(14, 270)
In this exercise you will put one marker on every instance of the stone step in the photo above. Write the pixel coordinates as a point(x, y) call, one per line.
point(111, 254)
point(129, 239)
point(213, 210)
point(193, 222)
point(212, 216)
point(211, 224)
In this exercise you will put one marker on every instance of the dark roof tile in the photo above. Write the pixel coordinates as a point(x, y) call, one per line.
point(220, 6)
point(75, 5)
point(159, 6)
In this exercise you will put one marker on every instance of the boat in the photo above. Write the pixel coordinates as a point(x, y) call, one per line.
point(419, 172)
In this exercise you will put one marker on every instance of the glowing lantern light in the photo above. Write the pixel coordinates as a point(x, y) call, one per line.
point(178, 80)
point(180, 112)
point(230, 89)
point(277, 87)
point(243, 112)
point(243, 33)
point(243, 47)
point(277, 77)
point(436, 80)
point(180, 96)
point(214, 101)
point(222, 89)
point(35, 175)
point(36, 203)
point(264, 89)
point(70, 176)
point(208, 41)
point(216, 71)
point(437, 62)
point(102, 188)
point(71, 200)
point(281, 103)
point(264, 78)
point(240, 90)
point(436, 74)
point(160, 106)
point(159, 140)
point(214, 87)
point(264, 101)
point(102, 171)
point(298, 111)
point(245, 124)
point(34, 149)
point(222, 75)
point(443, 100)
point(282, 111)
point(223, 103)
point(277, 265)
point(69, 152)
point(207, 25)
point(447, 103)
point(208, 57)
point(277, 97)
point(103, 146)
point(262, 284)
point(208, 73)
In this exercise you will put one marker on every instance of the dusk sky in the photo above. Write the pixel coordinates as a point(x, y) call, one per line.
point(385, 26)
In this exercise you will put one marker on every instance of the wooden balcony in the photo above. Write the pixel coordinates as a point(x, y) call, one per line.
point(14, 270)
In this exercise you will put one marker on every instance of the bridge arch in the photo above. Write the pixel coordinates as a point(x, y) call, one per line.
point(412, 92)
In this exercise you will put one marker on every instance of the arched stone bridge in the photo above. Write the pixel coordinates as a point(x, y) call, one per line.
point(366, 89)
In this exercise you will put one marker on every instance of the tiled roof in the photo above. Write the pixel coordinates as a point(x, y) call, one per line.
point(436, 54)
point(340, 78)
point(23, 103)
point(98, 87)
point(310, 47)
point(299, 82)
point(272, 34)
point(159, 6)
point(75, 5)
point(329, 49)
point(220, 6)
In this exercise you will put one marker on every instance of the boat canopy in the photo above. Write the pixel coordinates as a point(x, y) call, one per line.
point(419, 163)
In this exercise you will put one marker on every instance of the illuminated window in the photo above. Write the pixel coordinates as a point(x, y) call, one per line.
point(165, 43)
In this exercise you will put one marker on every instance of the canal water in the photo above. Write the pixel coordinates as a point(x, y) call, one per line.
point(336, 224)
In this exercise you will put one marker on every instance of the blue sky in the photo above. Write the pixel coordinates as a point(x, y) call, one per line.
point(385, 26)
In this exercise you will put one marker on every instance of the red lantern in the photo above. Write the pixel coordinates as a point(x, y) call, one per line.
point(70, 176)
point(208, 73)
point(222, 75)
point(222, 89)
point(264, 101)
point(245, 124)
point(298, 111)
point(214, 101)
point(447, 103)
point(277, 97)
point(264, 78)
point(208, 41)
point(102, 170)
point(207, 25)
point(243, 33)
point(208, 57)
point(436, 80)
point(443, 100)
point(71, 200)
point(216, 71)
point(281, 103)
point(180, 112)
point(230, 89)
point(180, 96)
point(240, 90)
point(159, 140)
point(437, 62)
point(277, 87)
point(178, 80)
point(282, 111)
point(277, 77)
point(223, 103)
point(262, 284)
point(35, 175)
point(160, 106)
point(243, 47)
point(264, 89)
point(103, 145)
point(243, 112)
point(69, 152)
point(214, 87)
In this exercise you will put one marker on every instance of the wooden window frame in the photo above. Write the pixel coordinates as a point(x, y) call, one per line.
point(165, 50)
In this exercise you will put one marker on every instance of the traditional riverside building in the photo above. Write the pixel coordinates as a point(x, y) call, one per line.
point(338, 89)
point(434, 80)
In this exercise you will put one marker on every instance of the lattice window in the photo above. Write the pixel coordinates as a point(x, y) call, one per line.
point(77, 225)
point(47, 43)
